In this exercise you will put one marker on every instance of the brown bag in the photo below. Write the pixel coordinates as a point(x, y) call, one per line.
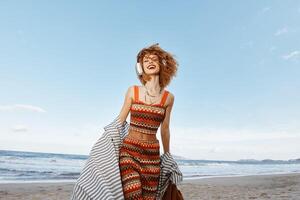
point(172, 193)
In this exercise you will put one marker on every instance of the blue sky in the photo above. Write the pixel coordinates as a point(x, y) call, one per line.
point(65, 67)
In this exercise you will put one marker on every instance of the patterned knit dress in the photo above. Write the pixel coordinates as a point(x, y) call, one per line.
point(139, 160)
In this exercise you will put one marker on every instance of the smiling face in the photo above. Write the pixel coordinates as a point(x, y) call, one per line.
point(151, 64)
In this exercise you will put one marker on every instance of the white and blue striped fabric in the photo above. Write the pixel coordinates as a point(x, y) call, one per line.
point(100, 177)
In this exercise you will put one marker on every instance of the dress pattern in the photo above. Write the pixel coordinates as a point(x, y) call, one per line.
point(140, 168)
point(139, 160)
point(146, 118)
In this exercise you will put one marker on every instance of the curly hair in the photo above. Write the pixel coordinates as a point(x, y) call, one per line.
point(168, 64)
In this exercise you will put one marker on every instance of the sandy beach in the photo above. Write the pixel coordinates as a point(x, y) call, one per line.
point(279, 186)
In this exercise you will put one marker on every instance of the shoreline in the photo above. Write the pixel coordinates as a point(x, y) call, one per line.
point(266, 186)
point(233, 176)
point(189, 179)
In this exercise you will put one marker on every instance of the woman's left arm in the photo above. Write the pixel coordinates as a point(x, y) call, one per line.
point(165, 128)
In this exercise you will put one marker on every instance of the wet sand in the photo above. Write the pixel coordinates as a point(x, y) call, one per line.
point(280, 186)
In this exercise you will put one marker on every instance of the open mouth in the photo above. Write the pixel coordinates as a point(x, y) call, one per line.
point(151, 67)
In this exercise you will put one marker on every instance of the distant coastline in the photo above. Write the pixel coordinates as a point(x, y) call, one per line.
point(21, 166)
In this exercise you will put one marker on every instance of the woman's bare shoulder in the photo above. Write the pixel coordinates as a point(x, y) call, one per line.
point(131, 91)
point(170, 98)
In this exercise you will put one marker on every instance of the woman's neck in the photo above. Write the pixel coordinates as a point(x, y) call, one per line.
point(153, 85)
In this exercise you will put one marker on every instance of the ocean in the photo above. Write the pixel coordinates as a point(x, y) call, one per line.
point(20, 166)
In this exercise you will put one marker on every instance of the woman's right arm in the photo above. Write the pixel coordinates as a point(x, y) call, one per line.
point(126, 105)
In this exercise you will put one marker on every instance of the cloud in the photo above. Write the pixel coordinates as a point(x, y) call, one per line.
point(20, 128)
point(233, 143)
point(265, 9)
point(281, 31)
point(194, 135)
point(214, 150)
point(291, 55)
point(52, 139)
point(21, 107)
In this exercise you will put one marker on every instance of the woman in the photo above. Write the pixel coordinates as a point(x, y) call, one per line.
point(150, 106)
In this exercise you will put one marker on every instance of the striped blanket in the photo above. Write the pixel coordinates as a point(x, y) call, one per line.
point(100, 177)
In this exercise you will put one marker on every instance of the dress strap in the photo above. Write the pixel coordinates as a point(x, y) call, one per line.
point(136, 93)
point(164, 98)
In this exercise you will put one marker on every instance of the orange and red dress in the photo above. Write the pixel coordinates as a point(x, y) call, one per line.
point(139, 160)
